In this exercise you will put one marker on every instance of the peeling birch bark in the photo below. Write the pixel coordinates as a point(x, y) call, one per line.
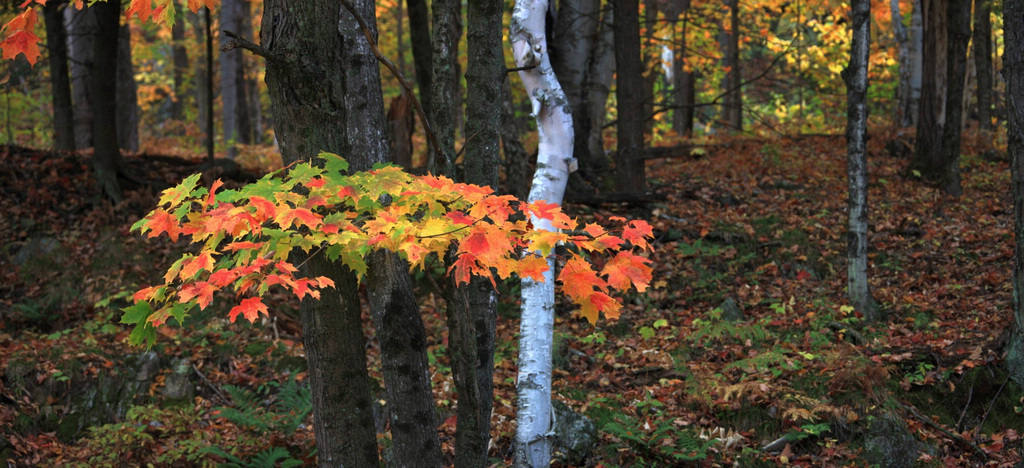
point(554, 125)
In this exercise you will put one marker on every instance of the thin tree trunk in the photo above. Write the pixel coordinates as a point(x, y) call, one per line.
point(81, 25)
point(856, 78)
point(396, 313)
point(927, 160)
point(598, 87)
point(983, 60)
point(1013, 62)
point(60, 80)
point(419, 33)
point(554, 123)
point(232, 86)
point(103, 90)
point(683, 82)
point(402, 123)
point(472, 307)
point(649, 52)
point(517, 162)
point(903, 43)
point(208, 84)
point(958, 13)
point(732, 104)
point(127, 94)
point(574, 34)
point(629, 165)
point(180, 64)
point(445, 83)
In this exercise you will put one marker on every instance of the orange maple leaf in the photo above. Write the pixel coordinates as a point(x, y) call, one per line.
point(298, 215)
point(195, 5)
point(160, 221)
point(637, 232)
point(142, 8)
point(21, 42)
point(201, 290)
point(203, 261)
point(264, 208)
point(250, 308)
point(597, 302)
point(626, 268)
point(579, 280)
point(533, 266)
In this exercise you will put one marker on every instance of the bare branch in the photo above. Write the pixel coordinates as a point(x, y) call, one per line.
point(239, 42)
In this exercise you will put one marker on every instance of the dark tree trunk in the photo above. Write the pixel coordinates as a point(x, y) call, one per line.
point(208, 84)
point(902, 36)
point(958, 13)
point(651, 77)
point(445, 83)
point(856, 78)
point(81, 26)
point(180, 64)
point(1013, 62)
point(683, 81)
point(931, 120)
point(983, 60)
point(419, 33)
point(571, 48)
point(732, 103)
point(472, 307)
point(599, 80)
point(332, 326)
point(103, 93)
point(518, 174)
point(629, 165)
point(127, 95)
point(396, 313)
point(401, 122)
point(234, 108)
point(60, 80)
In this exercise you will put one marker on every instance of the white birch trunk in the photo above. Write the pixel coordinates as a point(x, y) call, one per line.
point(856, 77)
point(554, 124)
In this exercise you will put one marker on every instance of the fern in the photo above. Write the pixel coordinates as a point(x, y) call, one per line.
point(285, 413)
point(267, 458)
point(716, 329)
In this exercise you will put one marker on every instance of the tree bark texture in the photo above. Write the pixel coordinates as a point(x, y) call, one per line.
point(401, 124)
point(445, 83)
point(396, 314)
point(81, 25)
point(308, 101)
point(983, 60)
point(650, 57)
point(517, 162)
point(629, 165)
point(1013, 62)
point(683, 81)
point(472, 307)
point(958, 14)
point(60, 79)
point(927, 158)
point(856, 78)
point(103, 93)
point(575, 31)
point(732, 103)
point(234, 109)
point(598, 87)
point(902, 37)
point(127, 94)
point(179, 60)
point(419, 33)
point(554, 125)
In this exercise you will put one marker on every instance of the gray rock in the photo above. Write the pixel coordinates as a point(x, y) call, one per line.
point(575, 434)
point(731, 311)
point(37, 248)
point(178, 385)
point(888, 443)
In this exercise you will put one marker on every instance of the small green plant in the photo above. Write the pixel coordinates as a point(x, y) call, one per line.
point(918, 375)
point(288, 407)
point(269, 458)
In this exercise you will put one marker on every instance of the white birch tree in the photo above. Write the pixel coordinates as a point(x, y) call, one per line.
point(554, 125)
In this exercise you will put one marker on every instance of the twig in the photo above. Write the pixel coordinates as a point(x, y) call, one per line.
point(239, 42)
point(394, 71)
point(991, 403)
point(210, 384)
point(519, 69)
point(970, 396)
point(951, 434)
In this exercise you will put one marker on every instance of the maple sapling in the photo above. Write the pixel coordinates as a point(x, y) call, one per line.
point(246, 236)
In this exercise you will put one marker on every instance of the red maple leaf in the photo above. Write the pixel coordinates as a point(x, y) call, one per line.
point(637, 232)
point(250, 308)
point(264, 208)
point(160, 221)
point(626, 268)
point(21, 37)
point(579, 280)
point(201, 290)
point(459, 217)
point(203, 261)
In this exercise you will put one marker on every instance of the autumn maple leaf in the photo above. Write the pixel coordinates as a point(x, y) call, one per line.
point(21, 37)
point(626, 268)
point(250, 308)
point(201, 290)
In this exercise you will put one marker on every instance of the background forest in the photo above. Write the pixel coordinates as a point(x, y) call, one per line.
point(833, 267)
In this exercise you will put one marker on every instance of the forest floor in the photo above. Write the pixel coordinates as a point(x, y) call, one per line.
point(743, 340)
